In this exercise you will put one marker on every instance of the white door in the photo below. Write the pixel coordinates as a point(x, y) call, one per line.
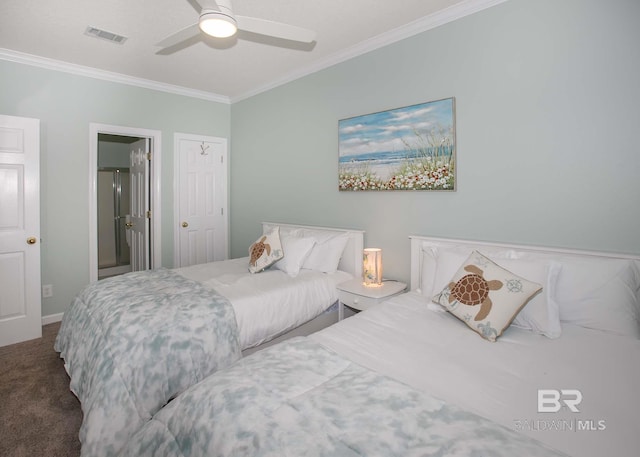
point(20, 303)
point(138, 224)
point(201, 183)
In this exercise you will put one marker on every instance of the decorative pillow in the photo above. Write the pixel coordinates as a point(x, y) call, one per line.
point(325, 255)
point(601, 294)
point(296, 250)
point(540, 315)
point(266, 251)
point(485, 296)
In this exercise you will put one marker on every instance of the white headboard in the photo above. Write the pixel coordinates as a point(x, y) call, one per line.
point(420, 243)
point(351, 260)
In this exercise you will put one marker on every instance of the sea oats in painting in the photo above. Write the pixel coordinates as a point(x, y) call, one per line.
point(410, 148)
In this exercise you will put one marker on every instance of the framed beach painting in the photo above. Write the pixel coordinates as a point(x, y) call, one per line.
point(410, 148)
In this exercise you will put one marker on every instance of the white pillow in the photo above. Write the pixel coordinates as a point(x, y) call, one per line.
point(325, 255)
point(600, 294)
point(439, 262)
point(296, 250)
point(447, 263)
point(541, 314)
point(428, 270)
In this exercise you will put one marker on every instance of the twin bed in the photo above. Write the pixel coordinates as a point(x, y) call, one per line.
point(277, 304)
point(556, 373)
point(133, 342)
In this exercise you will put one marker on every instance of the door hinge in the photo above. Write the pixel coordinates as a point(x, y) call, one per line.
point(148, 156)
point(148, 214)
point(221, 211)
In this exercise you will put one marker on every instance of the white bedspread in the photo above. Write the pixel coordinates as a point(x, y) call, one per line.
point(270, 303)
point(436, 353)
point(298, 398)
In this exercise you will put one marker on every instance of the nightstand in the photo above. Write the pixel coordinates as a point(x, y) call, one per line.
point(357, 296)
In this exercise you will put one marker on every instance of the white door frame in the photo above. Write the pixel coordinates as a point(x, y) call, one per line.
point(156, 146)
point(177, 137)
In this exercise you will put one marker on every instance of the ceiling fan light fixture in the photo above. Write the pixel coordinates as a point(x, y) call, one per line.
point(217, 24)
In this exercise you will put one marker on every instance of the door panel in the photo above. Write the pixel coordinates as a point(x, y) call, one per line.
point(12, 182)
point(13, 304)
point(201, 184)
point(20, 302)
point(139, 206)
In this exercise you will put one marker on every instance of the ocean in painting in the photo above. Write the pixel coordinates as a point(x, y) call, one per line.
point(385, 164)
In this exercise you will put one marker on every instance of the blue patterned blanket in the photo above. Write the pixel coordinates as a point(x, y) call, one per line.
point(133, 342)
point(299, 399)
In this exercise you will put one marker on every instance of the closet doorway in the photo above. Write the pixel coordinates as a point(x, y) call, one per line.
point(124, 200)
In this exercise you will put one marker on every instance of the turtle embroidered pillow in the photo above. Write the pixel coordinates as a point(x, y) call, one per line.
point(266, 251)
point(485, 296)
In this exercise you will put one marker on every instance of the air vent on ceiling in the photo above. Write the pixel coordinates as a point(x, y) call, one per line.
point(109, 36)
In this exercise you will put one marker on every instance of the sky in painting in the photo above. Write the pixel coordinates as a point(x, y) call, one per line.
point(385, 131)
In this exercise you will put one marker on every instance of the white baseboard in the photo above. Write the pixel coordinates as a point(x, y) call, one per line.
point(51, 318)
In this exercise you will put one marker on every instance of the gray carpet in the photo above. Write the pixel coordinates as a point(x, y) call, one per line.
point(40, 416)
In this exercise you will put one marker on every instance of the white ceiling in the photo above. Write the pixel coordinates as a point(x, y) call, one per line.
point(35, 31)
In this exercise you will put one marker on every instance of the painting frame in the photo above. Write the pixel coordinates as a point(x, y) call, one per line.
point(412, 148)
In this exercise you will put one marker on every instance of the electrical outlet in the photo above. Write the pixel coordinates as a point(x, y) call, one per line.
point(47, 291)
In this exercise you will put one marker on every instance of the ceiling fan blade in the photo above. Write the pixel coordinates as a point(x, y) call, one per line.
point(275, 29)
point(206, 4)
point(195, 4)
point(181, 35)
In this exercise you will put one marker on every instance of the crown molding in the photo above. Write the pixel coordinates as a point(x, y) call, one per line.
point(89, 72)
point(416, 27)
point(450, 14)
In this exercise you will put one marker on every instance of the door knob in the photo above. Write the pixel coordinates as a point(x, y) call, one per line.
point(32, 240)
point(185, 224)
point(128, 225)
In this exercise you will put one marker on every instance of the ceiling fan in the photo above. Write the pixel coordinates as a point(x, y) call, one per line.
point(217, 19)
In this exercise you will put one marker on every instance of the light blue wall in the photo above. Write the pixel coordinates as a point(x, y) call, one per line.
point(547, 100)
point(66, 104)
